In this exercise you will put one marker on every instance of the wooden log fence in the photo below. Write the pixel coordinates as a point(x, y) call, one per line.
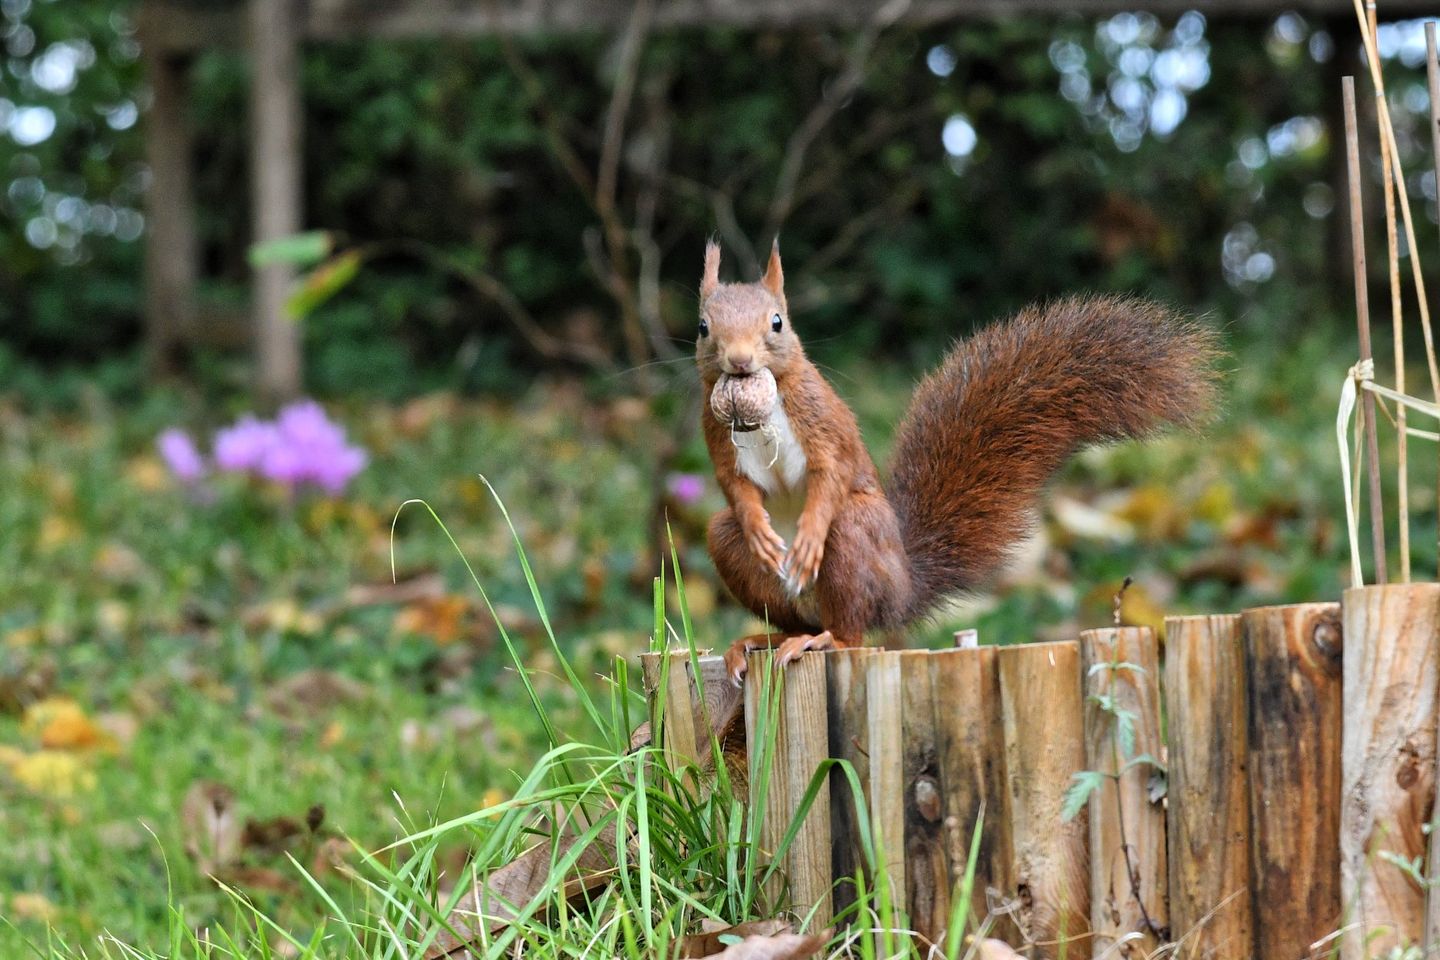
point(1257, 786)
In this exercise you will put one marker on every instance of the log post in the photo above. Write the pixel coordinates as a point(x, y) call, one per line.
point(1391, 674)
point(845, 683)
point(1293, 707)
point(708, 707)
point(275, 170)
point(172, 255)
point(785, 716)
point(970, 740)
point(885, 739)
point(1208, 815)
point(1127, 830)
point(1042, 710)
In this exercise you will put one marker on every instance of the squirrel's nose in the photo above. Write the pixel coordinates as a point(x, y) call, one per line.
point(741, 362)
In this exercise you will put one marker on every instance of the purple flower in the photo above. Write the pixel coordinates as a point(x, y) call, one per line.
point(688, 488)
point(244, 445)
point(302, 445)
point(180, 455)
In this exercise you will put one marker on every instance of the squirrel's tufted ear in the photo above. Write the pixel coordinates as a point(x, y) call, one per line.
point(710, 279)
point(774, 279)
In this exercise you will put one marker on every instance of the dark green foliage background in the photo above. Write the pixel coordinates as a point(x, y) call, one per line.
point(438, 141)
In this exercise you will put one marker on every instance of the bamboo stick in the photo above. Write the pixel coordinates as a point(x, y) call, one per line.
point(1128, 881)
point(801, 745)
point(1392, 247)
point(970, 739)
point(1362, 319)
point(1391, 675)
point(845, 681)
point(1387, 130)
point(1208, 815)
point(1042, 710)
point(1293, 707)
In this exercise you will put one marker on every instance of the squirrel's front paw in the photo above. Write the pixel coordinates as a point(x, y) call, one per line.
point(766, 544)
point(802, 563)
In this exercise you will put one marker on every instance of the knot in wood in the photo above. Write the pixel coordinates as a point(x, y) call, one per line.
point(927, 798)
point(1327, 637)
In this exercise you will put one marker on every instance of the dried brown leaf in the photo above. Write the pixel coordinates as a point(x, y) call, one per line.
point(709, 943)
point(210, 826)
point(785, 946)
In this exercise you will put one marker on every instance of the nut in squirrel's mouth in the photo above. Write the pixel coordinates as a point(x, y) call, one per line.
point(744, 401)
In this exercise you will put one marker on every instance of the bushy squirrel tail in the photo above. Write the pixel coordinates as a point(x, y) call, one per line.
point(988, 428)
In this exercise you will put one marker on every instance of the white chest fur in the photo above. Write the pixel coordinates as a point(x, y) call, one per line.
point(772, 457)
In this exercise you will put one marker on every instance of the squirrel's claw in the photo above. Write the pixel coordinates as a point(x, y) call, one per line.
point(735, 662)
point(791, 649)
point(801, 567)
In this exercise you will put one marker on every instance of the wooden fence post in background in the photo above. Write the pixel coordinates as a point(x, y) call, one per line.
point(275, 162)
point(970, 738)
point(1042, 708)
point(1208, 814)
point(1127, 829)
point(1391, 669)
point(800, 743)
point(1293, 708)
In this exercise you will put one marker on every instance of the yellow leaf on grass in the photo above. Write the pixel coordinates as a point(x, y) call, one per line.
point(22, 637)
point(333, 733)
point(442, 618)
point(33, 906)
point(54, 773)
point(61, 724)
point(56, 530)
point(147, 473)
point(492, 798)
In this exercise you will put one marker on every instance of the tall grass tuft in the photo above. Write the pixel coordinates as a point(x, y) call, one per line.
point(631, 853)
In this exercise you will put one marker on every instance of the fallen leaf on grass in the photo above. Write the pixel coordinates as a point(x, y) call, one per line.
point(715, 936)
point(54, 773)
point(785, 946)
point(992, 949)
point(443, 619)
point(210, 826)
point(311, 692)
point(492, 903)
point(61, 724)
point(33, 906)
point(255, 879)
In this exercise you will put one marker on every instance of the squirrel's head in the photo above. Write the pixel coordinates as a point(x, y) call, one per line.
point(744, 326)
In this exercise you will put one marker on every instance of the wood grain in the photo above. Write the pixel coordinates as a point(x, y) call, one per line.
point(1127, 828)
point(845, 683)
point(800, 744)
point(1042, 711)
point(885, 740)
point(1391, 674)
point(927, 880)
point(970, 743)
point(1208, 804)
point(1293, 704)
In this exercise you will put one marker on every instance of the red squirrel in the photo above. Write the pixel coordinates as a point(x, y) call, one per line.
point(813, 543)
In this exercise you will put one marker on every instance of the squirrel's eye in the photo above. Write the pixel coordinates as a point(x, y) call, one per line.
point(704, 329)
point(775, 323)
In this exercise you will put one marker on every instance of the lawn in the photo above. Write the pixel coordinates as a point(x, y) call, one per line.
point(177, 660)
